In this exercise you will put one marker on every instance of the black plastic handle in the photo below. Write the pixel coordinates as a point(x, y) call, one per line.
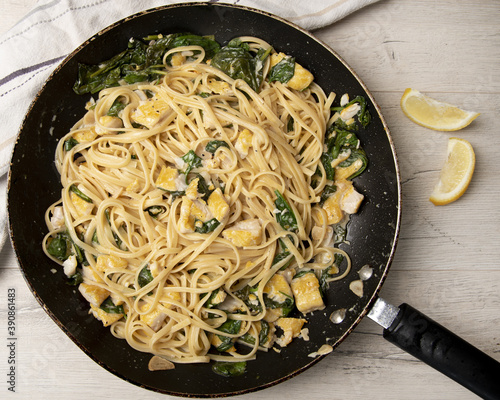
point(435, 345)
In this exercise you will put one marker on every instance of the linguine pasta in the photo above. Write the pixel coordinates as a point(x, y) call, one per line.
point(193, 213)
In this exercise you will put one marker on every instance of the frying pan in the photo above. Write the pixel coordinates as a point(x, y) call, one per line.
point(372, 233)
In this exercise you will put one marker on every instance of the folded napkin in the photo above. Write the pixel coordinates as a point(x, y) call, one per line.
point(32, 49)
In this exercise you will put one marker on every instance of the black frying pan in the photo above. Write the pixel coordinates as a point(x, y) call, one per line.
point(34, 185)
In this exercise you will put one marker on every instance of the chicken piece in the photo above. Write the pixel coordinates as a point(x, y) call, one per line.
point(244, 233)
point(244, 142)
point(351, 200)
point(154, 318)
point(291, 329)
point(85, 136)
point(301, 78)
point(105, 262)
point(82, 207)
point(150, 112)
point(106, 318)
point(167, 180)
point(305, 288)
point(70, 265)
point(108, 124)
point(217, 205)
point(93, 294)
point(277, 289)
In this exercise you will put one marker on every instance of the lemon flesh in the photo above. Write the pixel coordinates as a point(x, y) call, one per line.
point(434, 114)
point(456, 173)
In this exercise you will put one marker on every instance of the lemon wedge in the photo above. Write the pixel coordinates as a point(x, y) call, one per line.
point(456, 173)
point(434, 114)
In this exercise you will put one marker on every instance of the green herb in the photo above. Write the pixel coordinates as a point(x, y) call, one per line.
point(363, 114)
point(192, 161)
point(144, 277)
point(244, 295)
point(154, 211)
point(75, 279)
point(326, 160)
point(211, 302)
point(206, 227)
point(73, 188)
point(280, 257)
point(264, 332)
point(138, 63)
point(116, 107)
point(229, 369)
point(58, 247)
point(283, 71)
point(203, 188)
point(236, 61)
point(213, 145)
point(327, 192)
point(329, 272)
point(285, 217)
point(232, 327)
point(69, 144)
point(286, 306)
point(356, 154)
point(109, 307)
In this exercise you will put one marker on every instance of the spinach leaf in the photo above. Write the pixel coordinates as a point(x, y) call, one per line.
point(236, 61)
point(69, 144)
point(154, 211)
point(229, 369)
point(231, 326)
point(327, 192)
point(213, 145)
point(326, 160)
point(116, 107)
point(283, 71)
point(285, 217)
point(75, 279)
point(329, 272)
point(287, 305)
point(211, 302)
point(207, 227)
point(244, 295)
point(354, 156)
point(340, 233)
point(208, 43)
point(58, 247)
point(138, 62)
point(281, 256)
point(264, 332)
point(73, 188)
point(109, 307)
point(144, 277)
point(192, 161)
point(343, 140)
point(203, 188)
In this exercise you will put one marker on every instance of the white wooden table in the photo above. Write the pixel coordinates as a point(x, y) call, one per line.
point(448, 259)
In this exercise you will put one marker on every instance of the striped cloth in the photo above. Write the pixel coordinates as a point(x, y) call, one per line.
point(31, 50)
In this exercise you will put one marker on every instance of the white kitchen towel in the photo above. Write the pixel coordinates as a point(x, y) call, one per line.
point(32, 49)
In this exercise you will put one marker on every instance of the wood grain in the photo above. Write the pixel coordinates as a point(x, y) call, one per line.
point(447, 260)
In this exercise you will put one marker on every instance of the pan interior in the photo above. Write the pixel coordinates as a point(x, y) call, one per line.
point(34, 185)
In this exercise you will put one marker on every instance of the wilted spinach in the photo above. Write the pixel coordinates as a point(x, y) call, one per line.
point(138, 63)
point(229, 369)
point(283, 71)
point(236, 61)
point(285, 217)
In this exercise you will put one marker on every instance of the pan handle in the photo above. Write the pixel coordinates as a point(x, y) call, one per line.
point(435, 345)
